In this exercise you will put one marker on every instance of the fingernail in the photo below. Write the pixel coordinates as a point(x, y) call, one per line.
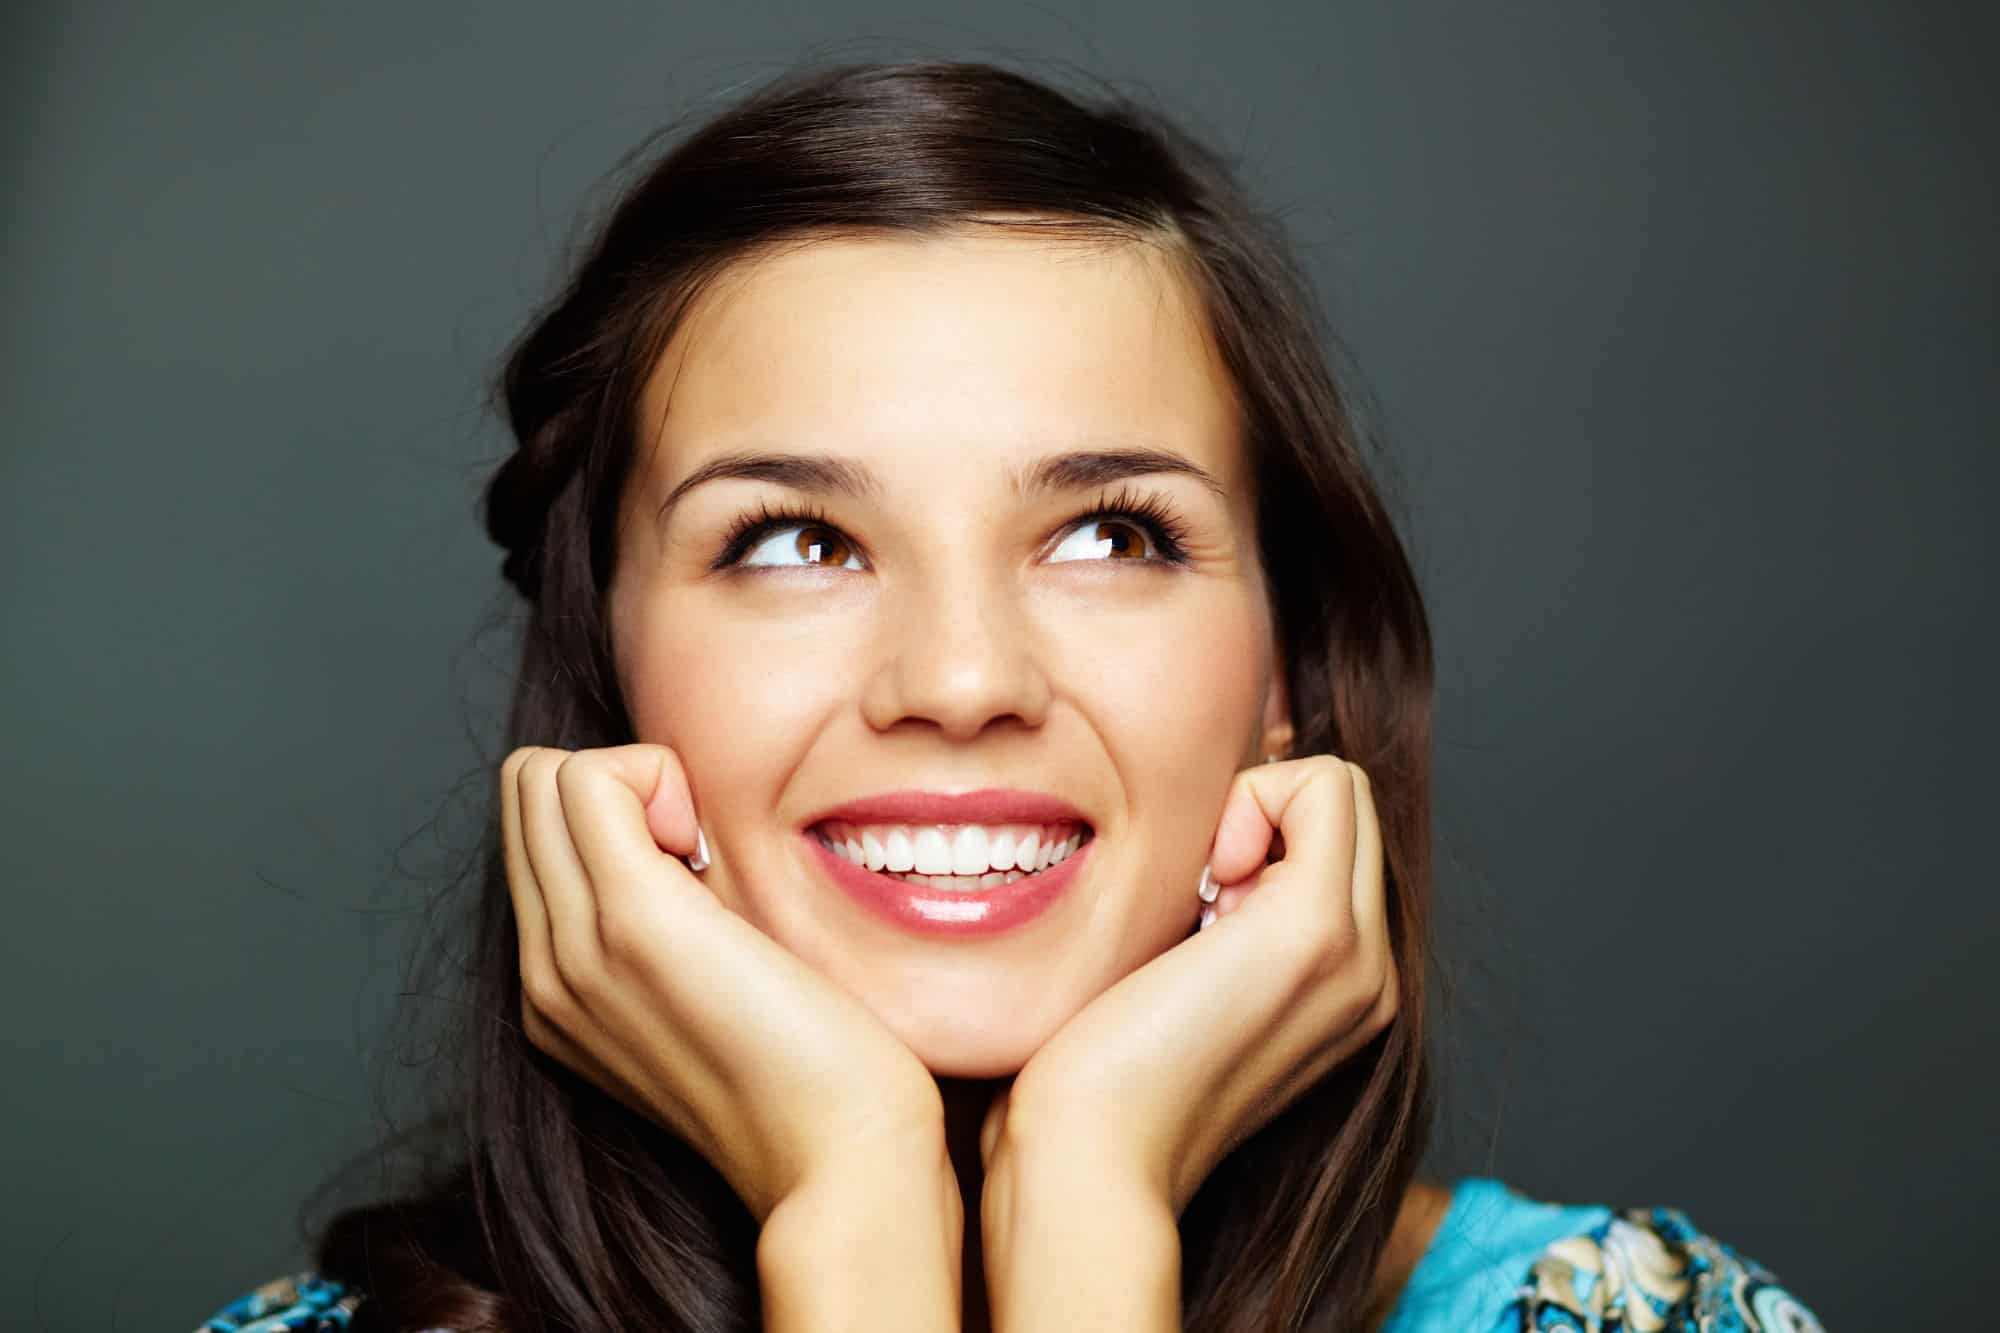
point(1208, 888)
point(699, 861)
point(1207, 918)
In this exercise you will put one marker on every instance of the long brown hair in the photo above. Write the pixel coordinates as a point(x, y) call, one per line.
point(551, 1204)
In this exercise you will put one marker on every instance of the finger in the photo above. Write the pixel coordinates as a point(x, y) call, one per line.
point(566, 893)
point(1371, 918)
point(531, 921)
point(628, 811)
point(1309, 801)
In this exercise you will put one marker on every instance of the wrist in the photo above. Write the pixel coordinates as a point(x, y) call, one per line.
point(1067, 1244)
point(875, 1243)
point(1037, 1170)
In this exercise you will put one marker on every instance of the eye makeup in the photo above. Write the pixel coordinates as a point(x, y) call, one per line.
point(1147, 510)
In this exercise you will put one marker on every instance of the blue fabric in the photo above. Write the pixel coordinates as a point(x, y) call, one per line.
point(1472, 1271)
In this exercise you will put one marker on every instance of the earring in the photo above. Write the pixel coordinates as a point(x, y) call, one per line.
point(699, 861)
point(1270, 759)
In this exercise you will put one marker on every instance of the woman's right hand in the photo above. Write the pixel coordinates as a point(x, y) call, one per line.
point(637, 976)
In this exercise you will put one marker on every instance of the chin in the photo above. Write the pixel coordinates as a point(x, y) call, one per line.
point(977, 1037)
point(949, 1052)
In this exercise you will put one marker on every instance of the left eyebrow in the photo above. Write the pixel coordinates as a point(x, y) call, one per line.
point(818, 474)
point(1099, 467)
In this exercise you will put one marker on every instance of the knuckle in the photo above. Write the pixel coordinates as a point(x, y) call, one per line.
point(518, 758)
point(510, 767)
point(574, 769)
point(537, 1030)
point(1333, 931)
point(621, 938)
point(577, 963)
point(1388, 1002)
point(1318, 944)
point(1384, 994)
point(535, 765)
point(541, 991)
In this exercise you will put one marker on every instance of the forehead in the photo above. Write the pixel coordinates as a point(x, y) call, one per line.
point(919, 351)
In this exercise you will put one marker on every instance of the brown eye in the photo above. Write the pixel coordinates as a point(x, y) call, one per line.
point(775, 543)
point(819, 545)
point(1121, 540)
point(1104, 539)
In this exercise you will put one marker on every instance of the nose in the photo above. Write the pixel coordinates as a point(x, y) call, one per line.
point(960, 654)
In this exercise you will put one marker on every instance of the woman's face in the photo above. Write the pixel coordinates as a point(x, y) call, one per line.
point(948, 620)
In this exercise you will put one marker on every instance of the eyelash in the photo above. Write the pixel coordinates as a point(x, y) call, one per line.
point(1163, 525)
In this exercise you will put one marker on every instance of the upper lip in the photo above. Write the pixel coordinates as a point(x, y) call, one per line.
point(988, 805)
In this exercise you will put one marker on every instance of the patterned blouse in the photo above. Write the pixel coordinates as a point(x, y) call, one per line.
point(1499, 1263)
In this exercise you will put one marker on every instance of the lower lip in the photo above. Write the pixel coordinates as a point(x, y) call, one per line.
point(926, 911)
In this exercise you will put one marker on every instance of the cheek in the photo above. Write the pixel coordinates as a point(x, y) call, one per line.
point(740, 704)
point(1176, 700)
point(1175, 705)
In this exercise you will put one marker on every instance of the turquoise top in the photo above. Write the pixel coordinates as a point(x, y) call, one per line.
point(1499, 1262)
point(1477, 1260)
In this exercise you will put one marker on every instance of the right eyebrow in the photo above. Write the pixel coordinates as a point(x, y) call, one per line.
point(814, 474)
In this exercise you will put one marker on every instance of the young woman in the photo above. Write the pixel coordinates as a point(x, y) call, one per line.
point(962, 856)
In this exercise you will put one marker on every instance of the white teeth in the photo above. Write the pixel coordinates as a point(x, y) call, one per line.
point(933, 852)
point(968, 851)
point(962, 855)
point(1000, 849)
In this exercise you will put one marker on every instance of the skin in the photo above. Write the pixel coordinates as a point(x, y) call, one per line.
point(941, 642)
point(959, 660)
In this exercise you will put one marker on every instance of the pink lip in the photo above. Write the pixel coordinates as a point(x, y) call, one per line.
point(944, 911)
point(989, 805)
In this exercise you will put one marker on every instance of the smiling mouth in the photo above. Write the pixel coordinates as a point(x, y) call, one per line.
point(954, 858)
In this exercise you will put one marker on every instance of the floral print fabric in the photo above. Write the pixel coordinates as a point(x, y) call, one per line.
point(1650, 1270)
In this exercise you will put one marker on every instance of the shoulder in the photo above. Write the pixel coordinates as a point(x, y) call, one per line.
point(298, 1303)
point(1653, 1268)
point(1502, 1262)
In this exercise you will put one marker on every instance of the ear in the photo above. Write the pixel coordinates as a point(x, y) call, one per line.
point(1277, 733)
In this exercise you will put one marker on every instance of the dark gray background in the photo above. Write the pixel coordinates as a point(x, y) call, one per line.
point(1678, 321)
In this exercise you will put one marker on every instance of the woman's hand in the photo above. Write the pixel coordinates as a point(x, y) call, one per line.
point(1153, 1082)
point(634, 974)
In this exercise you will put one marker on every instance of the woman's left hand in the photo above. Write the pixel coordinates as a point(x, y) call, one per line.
point(1154, 1081)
